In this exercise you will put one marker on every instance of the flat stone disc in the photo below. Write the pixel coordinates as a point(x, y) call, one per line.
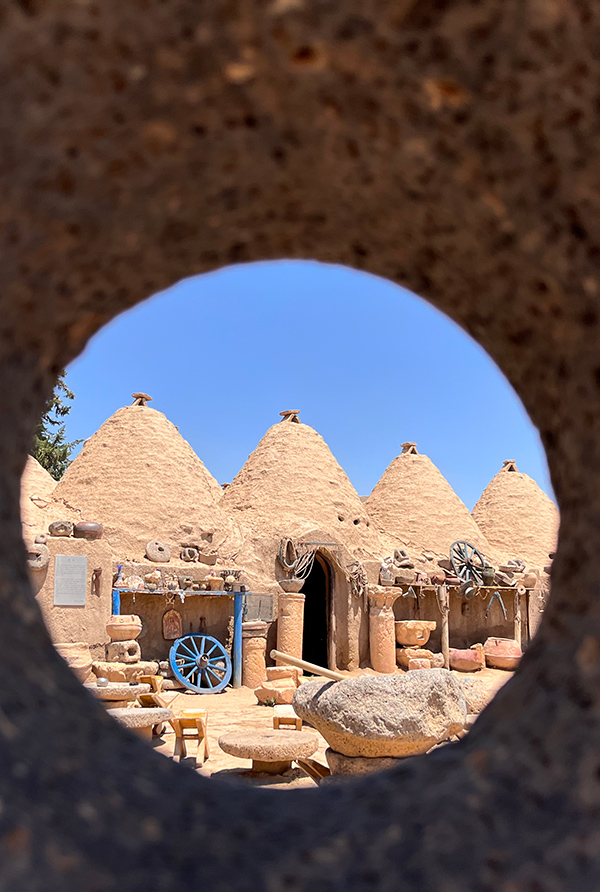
point(270, 746)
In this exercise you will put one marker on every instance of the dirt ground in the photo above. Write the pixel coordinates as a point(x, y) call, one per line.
point(232, 710)
point(237, 710)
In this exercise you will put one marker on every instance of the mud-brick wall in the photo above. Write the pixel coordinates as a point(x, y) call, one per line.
point(465, 628)
point(71, 624)
point(199, 613)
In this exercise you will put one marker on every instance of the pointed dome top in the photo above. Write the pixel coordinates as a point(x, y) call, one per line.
point(292, 482)
point(142, 480)
point(37, 487)
point(517, 517)
point(413, 503)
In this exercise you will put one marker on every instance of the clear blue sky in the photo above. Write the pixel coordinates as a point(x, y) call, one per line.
point(368, 364)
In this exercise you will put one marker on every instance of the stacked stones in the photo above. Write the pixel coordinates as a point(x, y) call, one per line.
point(412, 635)
point(123, 654)
point(280, 686)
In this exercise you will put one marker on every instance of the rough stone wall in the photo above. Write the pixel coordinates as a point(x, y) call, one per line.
point(449, 146)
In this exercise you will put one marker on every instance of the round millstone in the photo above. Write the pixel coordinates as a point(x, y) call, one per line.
point(38, 557)
point(141, 718)
point(158, 552)
point(270, 746)
point(116, 690)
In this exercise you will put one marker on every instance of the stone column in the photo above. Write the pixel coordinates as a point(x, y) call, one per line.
point(254, 649)
point(382, 632)
point(290, 624)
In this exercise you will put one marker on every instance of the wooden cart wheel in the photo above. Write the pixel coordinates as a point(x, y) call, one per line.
point(201, 663)
point(467, 562)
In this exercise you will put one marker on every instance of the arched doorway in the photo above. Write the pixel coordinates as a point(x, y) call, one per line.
point(317, 591)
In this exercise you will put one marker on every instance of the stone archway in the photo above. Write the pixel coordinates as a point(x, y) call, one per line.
point(450, 147)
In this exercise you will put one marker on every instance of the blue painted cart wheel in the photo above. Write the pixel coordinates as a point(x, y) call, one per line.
point(201, 663)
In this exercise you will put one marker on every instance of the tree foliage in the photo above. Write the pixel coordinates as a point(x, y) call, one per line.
point(50, 447)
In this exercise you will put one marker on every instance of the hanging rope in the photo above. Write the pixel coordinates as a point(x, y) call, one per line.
point(299, 564)
point(287, 554)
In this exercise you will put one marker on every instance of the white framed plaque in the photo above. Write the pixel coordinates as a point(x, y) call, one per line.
point(70, 580)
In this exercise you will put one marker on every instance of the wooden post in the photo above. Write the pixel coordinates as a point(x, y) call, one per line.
point(443, 601)
point(518, 621)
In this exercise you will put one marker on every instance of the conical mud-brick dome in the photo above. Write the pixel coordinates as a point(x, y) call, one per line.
point(414, 504)
point(517, 517)
point(37, 488)
point(292, 482)
point(143, 481)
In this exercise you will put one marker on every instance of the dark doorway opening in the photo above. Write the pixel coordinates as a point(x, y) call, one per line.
point(316, 613)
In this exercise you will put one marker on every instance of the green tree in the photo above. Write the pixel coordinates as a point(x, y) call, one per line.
point(50, 447)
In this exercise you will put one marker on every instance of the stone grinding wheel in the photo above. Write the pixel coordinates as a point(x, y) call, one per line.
point(158, 552)
point(38, 556)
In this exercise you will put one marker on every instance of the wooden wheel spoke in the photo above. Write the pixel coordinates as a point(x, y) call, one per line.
point(183, 646)
point(190, 650)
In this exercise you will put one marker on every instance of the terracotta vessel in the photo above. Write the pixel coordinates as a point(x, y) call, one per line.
point(502, 653)
point(291, 585)
point(125, 627)
point(88, 530)
point(413, 632)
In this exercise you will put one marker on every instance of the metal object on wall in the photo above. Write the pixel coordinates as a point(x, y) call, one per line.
point(258, 607)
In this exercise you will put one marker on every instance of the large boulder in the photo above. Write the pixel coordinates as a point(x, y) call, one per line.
point(386, 715)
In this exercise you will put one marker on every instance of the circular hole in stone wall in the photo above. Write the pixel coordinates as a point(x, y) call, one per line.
point(159, 481)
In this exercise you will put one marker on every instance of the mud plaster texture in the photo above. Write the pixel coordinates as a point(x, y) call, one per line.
point(450, 147)
point(139, 478)
point(415, 508)
point(292, 485)
point(87, 623)
point(518, 519)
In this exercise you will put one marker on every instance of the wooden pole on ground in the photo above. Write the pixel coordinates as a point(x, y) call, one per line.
point(308, 667)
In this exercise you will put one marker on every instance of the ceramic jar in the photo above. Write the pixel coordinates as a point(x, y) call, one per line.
point(125, 627)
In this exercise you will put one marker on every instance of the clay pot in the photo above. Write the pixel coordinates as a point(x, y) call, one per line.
point(124, 627)
point(86, 529)
point(78, 658)
point(215, 583)
point(291, 585)
point(413, 632)
point(502, 653)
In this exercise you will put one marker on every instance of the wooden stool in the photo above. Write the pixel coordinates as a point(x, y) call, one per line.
point(194, 721)
point(155, 682)
point(285, 715)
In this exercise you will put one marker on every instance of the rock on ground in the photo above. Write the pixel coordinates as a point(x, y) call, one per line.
point(387, 715)
point(356, 766)
point(479, 691)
